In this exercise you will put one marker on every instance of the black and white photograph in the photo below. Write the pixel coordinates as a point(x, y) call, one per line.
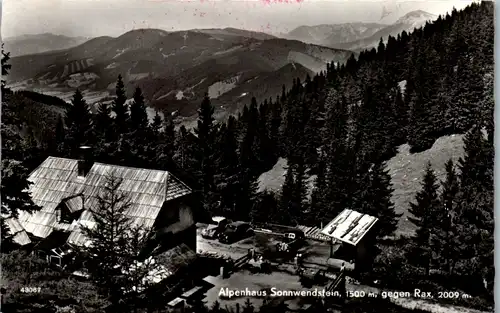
point(247, 156)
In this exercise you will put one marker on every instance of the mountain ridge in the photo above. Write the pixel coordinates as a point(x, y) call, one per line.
point(175, 69)
point(40, 43)
point(356, 36)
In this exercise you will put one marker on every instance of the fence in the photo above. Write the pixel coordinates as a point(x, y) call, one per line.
point(314, 233)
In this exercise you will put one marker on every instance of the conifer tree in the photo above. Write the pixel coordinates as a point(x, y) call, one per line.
point(186, 155)
point(228, 167)
point(103, 125)
point(206, 133)
point(166, 143)
point(138, 114)
point(15, 189)
point(378, 202)
point(265, 208)
point(32, 150)
point(246, 195)
point(469, 92)
point(475, 167)
point(156, 123)
point(56, 144)
point(319, 203)
point(274, 123)
point(248, 145)
point(286, 204)
point(120, 107)
point(424, 211)
point(338, 172)
point(401, 114)
point(79, 124)
point(265, 148)
point(443, 233)
point(299, 202)
point(105, 256)
point(475, 209)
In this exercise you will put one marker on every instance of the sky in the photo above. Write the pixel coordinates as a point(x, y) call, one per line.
point(92, 18)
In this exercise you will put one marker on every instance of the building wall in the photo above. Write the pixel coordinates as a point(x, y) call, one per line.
point(364, 251)
point(172, 232)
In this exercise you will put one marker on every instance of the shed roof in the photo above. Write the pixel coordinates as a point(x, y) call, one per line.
point(349, 226)
point(56, 181)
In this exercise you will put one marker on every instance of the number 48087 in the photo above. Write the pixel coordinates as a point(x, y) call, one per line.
point(30, 289)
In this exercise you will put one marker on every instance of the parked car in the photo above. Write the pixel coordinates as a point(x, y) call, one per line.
point(213, 231)
point(235, 232)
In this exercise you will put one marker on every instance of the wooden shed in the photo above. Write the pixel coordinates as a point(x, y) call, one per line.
point(356, 232)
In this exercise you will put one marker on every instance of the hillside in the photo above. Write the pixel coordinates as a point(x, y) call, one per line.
point(174, 68)
point(39, 43)
point(408, 22)
point(331, 34)
point(405, 169)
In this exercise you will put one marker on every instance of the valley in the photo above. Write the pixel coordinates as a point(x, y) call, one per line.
point(175, 69)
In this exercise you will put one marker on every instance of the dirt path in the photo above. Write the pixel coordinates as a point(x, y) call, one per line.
point(415, 303)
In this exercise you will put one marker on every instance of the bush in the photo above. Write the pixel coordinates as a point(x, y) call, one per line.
point(375, 305)
point(56, 289)
point(394, 270)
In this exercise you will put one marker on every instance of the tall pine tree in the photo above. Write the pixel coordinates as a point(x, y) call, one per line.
point(424, 211)
point(120, 107)
point(206, 132)
point(79, 124)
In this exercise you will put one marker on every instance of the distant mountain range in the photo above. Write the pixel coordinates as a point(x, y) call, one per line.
point(31, 44)
point(358, 36)
point(176, 69)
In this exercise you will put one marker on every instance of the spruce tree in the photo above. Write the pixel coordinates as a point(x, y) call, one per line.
point(120, 108)
point(32, 150)
point(165, 149)
point(246, 195)
point(186, 154)
point(381, 206)
point(156, 123)
point(56, 144)
point(248, 147)
point(401, 114)
point(108, 251)
point(424, 211)
point(227, 178)
point(265, 147)
point(287, 196)
point(265, 208)
point(15, 189)
point(442, 237)
point(299, 202)
point(338, 172)
point(475, 166)
point(469, 92)
point(138, 114)
point(475, 209)
point(103, 122)
point(78, 121)
point(319, 203)
point(206, 132)
point(274, 123)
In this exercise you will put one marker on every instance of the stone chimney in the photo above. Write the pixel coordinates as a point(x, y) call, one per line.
point(86, 161)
